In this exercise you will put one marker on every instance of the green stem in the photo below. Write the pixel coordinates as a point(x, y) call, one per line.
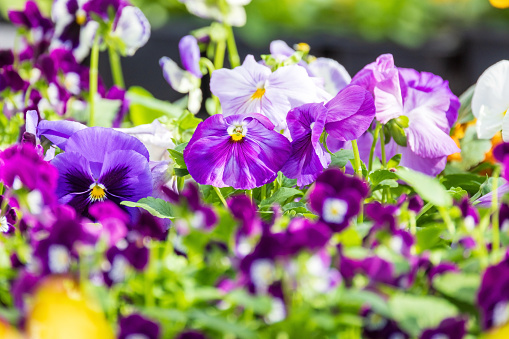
point(250, 195)
point(373, 147)
point(413, 223)
point(208, 64)
point(94, 65)
point(149, 277)
point(382, 146)
point(27, 95)
point(16, 50)
point(495, 225)
point(447, 219)
point(219, 56)
point(263, 193)
point(116, 67)
point(357, 158)
point(233, 54)
point(220, 195)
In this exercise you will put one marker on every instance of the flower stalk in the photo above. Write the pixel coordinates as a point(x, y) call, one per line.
point(116, 67)
point(94, 66)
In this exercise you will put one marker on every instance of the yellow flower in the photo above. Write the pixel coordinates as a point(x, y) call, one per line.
point(9, 332)
point(61, 310)
point(498, 333)
point(500, 3)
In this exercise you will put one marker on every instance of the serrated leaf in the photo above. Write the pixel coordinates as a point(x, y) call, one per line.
point(280, 196)
point(459, 286)
point(341, 158)
point(380, 175)
point(178, 157)
point(155, 206)
point(427, 187)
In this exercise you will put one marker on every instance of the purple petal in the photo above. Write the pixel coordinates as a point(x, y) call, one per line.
point(350, 113)
point(190, 55)
point(58, 132)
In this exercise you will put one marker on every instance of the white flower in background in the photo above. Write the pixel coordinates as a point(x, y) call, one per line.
point(231, 12)
point(133, 29)
point(490, 101)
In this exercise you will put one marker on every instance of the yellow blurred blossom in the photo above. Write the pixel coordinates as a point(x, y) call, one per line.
point(501, 332)
point(500, 3)
point(61, 310)
point(9, 332)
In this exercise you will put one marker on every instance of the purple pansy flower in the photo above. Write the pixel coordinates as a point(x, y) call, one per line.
point(384, 216)
point(123, 256)
point(244, 210)
point(191, 334)
point(190, 55)
point(337, 198)
point(137, 326)
point(8, 218)
point(241, 151)
point(253, 88)
point(308, 158)
point(450, 328)
point(31, 18)
point(493, 295)
point(116, 168)
point(378, 327)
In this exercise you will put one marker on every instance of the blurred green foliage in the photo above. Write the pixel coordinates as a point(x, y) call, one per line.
point(407, 22)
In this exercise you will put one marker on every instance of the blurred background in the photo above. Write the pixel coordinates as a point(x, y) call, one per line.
point(456, 39)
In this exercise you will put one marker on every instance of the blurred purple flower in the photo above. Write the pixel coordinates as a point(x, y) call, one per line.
point(32, 19)
point(337, 198)
point(241, 151)
point(8, 218)
point(137, 326)
point(123, 256)
point(190, 55)
point(450, 328)
point(384, 216)
point(493, 295)
point(191, 334)
point(253, 88)
point(379, 327)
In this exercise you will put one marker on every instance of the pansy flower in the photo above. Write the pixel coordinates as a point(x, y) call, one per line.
point(241, 151)
point(253, 88)
point(116, 168)
point(131, 30)
point(448, 328)
point(337, 198)
point(137, 326)
point(231, 12)
point(493, 296)
point(185, 80)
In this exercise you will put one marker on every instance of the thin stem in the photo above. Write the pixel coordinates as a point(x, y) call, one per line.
point(250, 195)
point(413, 223)
point(373, 146)
point(208, 64)
point(263, 193)
point(27, 95)
point(220, 195)
point(116, 67)
point(447, 219)
point(357, 158)
point(94, 65)
point(219, 56)
point(149, 277)
point(233, 54)
point(382, 146)
point(495, 225)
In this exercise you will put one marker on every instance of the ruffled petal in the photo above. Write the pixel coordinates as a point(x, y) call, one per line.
point(58, 132)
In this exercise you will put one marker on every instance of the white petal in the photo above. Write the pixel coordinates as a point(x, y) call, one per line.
point(488, 122)
point(492, 89)
point(194, 100)
point(505, 128)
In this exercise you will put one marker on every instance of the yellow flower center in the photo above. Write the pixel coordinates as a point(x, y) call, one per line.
point(98, 192)
point(237, 133)
point(81, 17)
point(302, 47)
point(258, 94)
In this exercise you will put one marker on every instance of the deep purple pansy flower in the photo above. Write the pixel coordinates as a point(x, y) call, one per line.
point(337, 198)
point(191, 334)
point(137, 326)
point(102, 164)
point(8, 218)
point(123, 256)
point(383, 216)
point(493, 295)
point(450, 328)
point(378, 327)
point(241, 151)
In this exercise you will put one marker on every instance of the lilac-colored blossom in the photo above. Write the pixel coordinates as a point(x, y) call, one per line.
point(190, 55)
point(253, 88)
point(337, 198)
point(241, 151)
point(137, 326)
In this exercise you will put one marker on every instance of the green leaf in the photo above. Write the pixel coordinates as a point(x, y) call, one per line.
point(178, 157)
point(415, 313)
point(155, 206)
point(428, 237)
point(366, 298)
point(144, 108)
point(188, 121)
point(427, 187)
point(259, 304)
point(341, 158)
point(459, 286)
point(181, 147)
point(468, 181)
point(221, 325)
point(181, 172)
point(166, 314)
point(380, 175)
point(465, 112)
point(281, 195)
point(394, 161)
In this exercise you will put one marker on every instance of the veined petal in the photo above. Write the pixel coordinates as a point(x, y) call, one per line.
point(74, 180)
point(180, 80)
point(349, 113)
point(133, 29)
point(492, 90)
point(388, 100)
point(58, 132)
point(334, 74)
point(126, 176)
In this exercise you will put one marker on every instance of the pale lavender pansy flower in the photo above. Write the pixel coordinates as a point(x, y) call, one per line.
point(381, 78)
point(253, 88)
point(132, 29)
point(242, 151)
point(230, 12)
point(185, 80)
